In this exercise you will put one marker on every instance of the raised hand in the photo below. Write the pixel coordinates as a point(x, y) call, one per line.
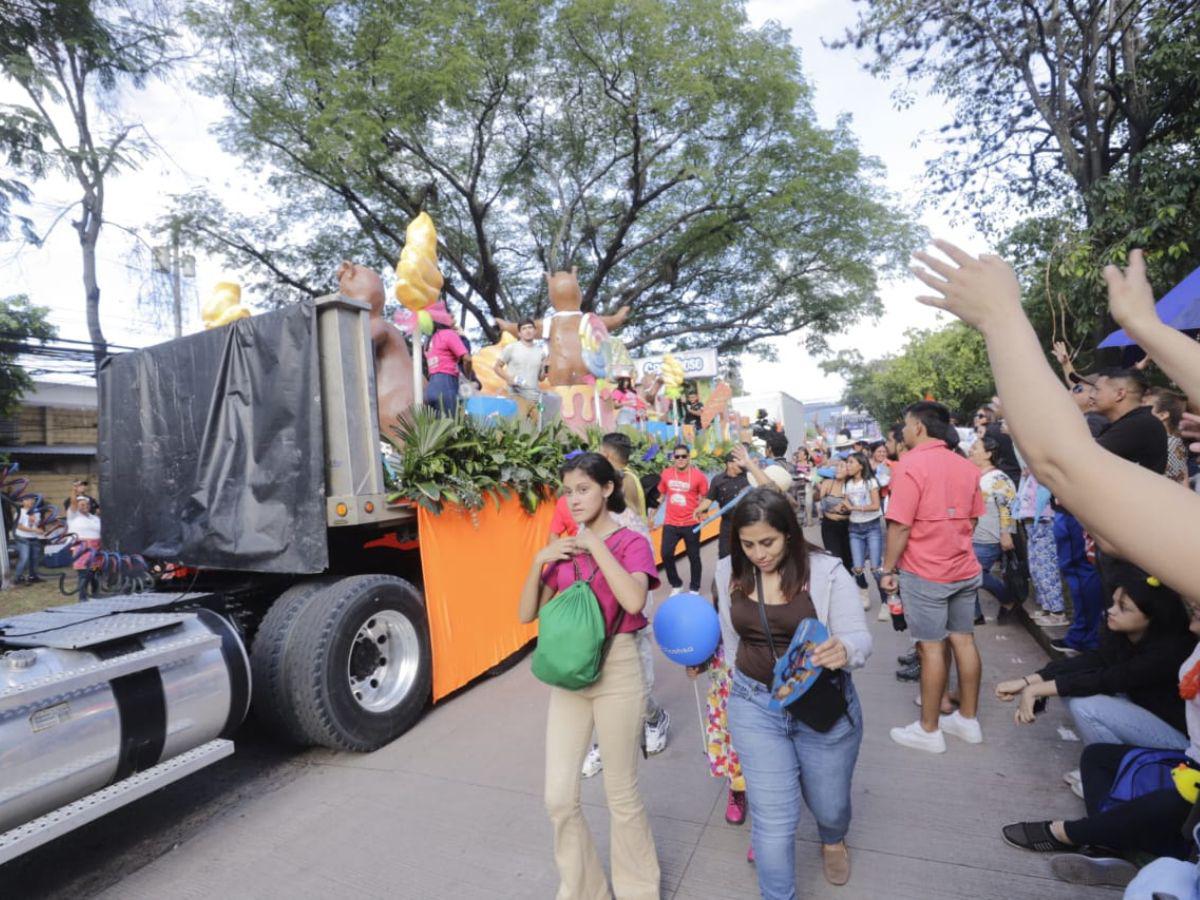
point(1189, 430)
point(1060, 353)
point(1130, 297)
point(982, 292)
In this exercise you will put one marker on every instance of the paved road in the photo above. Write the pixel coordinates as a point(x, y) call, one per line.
point(453, 809)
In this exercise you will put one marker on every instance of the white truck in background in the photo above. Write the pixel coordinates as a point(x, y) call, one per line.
point(780, 407)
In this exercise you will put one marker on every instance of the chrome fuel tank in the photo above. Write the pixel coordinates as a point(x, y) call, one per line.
point(88, 698)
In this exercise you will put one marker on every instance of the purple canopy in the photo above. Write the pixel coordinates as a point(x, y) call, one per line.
point(1180, 309)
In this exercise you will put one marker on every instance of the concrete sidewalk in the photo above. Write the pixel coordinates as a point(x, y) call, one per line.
point(453, 809)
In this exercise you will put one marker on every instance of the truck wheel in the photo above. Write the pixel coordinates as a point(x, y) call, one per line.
point(362, 665)
point(272, 702)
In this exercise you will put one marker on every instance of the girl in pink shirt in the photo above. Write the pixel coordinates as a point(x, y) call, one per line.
point(443, 354)
point(620, 564)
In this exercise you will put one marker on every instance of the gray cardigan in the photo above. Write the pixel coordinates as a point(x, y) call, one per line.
point(839, 608)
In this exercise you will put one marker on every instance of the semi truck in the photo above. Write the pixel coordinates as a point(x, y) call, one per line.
point(251, 454)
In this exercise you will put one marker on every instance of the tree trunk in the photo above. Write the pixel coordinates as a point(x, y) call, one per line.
point(89, 233)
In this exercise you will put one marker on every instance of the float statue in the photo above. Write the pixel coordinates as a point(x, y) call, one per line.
point(393, 362)
point(568, 327)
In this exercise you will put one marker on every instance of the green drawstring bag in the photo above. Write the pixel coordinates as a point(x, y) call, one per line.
point(572, 641)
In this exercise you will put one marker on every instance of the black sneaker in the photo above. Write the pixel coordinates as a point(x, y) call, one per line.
point(1060, 646)
point(908, 659)
point(981, 619)
point(1005, 615)
point(861, 580)
point(909, 673)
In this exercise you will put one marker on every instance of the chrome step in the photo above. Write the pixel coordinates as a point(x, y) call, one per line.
point(54, 824)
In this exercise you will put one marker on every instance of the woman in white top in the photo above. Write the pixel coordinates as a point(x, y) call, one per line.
point(82, 523)
point(866, 537)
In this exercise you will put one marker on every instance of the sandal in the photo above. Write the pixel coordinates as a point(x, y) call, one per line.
point(1035, 836)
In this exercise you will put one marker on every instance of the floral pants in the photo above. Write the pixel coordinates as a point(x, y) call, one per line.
point(1043, 566)
point(722, 758)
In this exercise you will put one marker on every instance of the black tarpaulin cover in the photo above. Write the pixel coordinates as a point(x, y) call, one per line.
point(211, 449)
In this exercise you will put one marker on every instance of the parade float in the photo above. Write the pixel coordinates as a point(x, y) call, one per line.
point(330, 594)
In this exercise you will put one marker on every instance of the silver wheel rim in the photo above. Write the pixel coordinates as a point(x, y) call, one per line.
point(380, 684)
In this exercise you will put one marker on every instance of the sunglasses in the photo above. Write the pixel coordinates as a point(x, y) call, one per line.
point(681, 456)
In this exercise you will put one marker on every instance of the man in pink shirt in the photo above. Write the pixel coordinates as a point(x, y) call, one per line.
point(934, 503)
point(682, 487)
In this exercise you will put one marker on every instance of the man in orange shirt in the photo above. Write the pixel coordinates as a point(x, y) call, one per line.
point(682, 487)
point(934, 503)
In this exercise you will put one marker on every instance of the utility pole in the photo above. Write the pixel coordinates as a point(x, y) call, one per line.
point(176, 289)
point(170, 261)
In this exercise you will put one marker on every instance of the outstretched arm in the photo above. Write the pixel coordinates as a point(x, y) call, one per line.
point(1064, 362)
point(1131, 302)
point(617, 319)
point(1053, 437)
point(514, 330)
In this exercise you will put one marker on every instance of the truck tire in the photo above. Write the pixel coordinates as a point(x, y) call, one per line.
point(362, 666)
point(272, 703)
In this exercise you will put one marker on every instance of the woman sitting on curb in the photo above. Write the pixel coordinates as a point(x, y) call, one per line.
point(1125, 692)
point(1150, 822)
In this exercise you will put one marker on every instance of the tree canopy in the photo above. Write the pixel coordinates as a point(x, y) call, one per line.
point(69, 59)
point(1050, 97)
point(664, 147)
point(20, 324)
point(1075, 137)
point(950, 365)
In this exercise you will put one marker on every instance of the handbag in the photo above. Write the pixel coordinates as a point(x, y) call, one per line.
point(823, 704)
point(1016, 576)
point(572, 640)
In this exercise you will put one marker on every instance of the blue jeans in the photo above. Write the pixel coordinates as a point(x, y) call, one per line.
point(784, 762)
point(1115, 719)
point(29, 557)
point(1087, 594)
point(866, 542)
point(988, 555)
point(442, 393)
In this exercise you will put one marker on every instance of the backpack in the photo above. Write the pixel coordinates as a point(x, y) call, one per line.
point(1142, 771)
point(572, 641)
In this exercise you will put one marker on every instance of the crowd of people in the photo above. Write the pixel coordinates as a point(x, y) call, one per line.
point(39, 537)
point(1064, 500)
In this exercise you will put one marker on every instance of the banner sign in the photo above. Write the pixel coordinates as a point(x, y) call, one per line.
point(696, 363)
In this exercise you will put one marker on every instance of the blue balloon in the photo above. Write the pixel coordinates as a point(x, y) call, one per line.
point(687, 629)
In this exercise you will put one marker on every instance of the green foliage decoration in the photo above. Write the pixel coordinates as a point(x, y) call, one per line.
point(458, 460)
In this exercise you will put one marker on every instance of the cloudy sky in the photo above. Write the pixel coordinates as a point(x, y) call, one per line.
point(178, 121)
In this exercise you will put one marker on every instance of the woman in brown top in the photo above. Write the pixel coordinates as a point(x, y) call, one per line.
point(784, 760)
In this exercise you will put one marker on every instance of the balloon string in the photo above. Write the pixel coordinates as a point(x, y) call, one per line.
point(700, 714)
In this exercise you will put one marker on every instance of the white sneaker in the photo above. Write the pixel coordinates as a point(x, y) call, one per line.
point(592, 764)
point(884, 613)
point(1073, 777)
point(1053, 620)
point(1077, 789)
point(961, 727)
point(917, 738)
point(656, 734)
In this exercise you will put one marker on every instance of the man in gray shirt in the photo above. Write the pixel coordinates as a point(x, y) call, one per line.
point(521, 365)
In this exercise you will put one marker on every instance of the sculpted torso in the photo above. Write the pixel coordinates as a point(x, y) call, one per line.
point(393, 362)
point(566, 352)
